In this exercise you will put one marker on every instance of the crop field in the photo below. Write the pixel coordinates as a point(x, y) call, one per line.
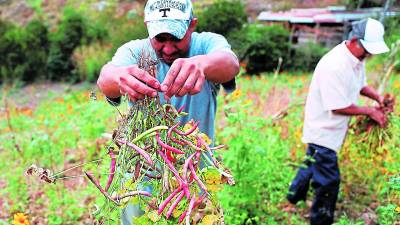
point(260, 124)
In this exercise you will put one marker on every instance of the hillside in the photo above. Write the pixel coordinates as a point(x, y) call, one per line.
point(20, 11)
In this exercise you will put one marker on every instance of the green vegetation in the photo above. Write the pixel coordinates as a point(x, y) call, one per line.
point(261, 123)
point(222, 17)
point(64, 130)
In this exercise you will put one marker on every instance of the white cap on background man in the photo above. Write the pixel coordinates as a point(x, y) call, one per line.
point(370, 32)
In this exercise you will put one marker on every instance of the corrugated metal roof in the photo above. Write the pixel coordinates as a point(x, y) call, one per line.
point(321, 15)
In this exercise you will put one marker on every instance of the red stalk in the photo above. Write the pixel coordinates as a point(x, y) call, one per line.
point(171, 167)
point(133, 193)
point(96, 183)
point(181, 108)
point(191, 205)
point(168, 200)
point(112, 170)
point(196, 204)
point(201, 184)
point(139, 150)
point(167, 147)
point(173, 206)
point(190, 131)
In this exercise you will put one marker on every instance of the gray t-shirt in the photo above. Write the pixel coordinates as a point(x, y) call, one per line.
point(200, 107)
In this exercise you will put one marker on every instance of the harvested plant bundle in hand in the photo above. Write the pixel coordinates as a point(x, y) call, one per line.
point(372, 134)
point(168, 168)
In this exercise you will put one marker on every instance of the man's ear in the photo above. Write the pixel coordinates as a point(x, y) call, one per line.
point(192, 25)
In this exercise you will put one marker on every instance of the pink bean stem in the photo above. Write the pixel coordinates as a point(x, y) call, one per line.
point(168, 200)
point(191, 204)
point(181, 108)
point(196, 204)
point(96, 183)
point(137, 170)
point(200, 199)
point(198, 152)
point(198, 155)
point(182, 217)
point(196, 178)
point(190, 131)
point(112, 170)
point(132, 193)
point(173, 206)
point(171, 167)
point(186, 166)
point(167, 147)
point(217, 147)
point(185, 188)
point(179, 142)
point(182, 183)
point(169, 133)
point(192, 145)
point(139, 150)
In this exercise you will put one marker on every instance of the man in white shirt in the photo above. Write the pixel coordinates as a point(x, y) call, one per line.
point(337, 83)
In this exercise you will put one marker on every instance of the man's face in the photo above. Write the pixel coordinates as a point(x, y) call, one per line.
point(169, 48)
point(363, 53)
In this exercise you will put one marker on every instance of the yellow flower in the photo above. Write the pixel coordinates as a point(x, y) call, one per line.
point(397, 209)
point(396, 84)
point(153, 216)
point(248, 101)
point(20, 219)
point(236, 94)
point(210, 220)
point(188, 126)
point(205, 138)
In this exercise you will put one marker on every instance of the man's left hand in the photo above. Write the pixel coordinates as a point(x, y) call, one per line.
point(186, 76)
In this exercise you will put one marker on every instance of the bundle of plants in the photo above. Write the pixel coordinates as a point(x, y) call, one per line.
point(166, 167)
point(369, 131)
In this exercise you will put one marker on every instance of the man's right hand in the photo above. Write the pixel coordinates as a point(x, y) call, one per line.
point(137, 83)
point(378, 116)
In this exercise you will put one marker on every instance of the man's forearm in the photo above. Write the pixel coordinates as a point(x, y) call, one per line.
point(108, 81)
point(371, 93)
point(220, 66)
point(354, 110)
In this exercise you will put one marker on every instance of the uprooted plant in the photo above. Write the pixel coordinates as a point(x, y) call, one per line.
point(166, 167)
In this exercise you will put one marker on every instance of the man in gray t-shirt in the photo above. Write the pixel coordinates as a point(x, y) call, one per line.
point(191, 67)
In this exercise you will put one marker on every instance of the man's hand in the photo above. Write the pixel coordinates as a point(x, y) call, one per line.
point(381, 101)
point(186, 76)
point(379, 116)
point(137, 83)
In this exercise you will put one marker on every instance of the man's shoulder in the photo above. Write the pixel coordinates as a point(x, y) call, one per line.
point(332, 60)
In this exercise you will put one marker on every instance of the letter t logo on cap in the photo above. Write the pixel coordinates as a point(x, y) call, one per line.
point(165, 12)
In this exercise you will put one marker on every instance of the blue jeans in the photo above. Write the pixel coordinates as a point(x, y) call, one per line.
point(323, 173)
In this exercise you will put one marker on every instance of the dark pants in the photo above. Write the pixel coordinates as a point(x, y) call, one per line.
point(323, 172)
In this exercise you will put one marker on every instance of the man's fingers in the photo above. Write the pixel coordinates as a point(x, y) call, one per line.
point(133, 95)
point(188, 85)
point(137, 86)
point(179, 82)
point(171, 75)
point(199, 85)
point(144, 77)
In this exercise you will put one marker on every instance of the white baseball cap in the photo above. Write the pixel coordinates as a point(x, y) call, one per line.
point(370, 32)
point(168, 16)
